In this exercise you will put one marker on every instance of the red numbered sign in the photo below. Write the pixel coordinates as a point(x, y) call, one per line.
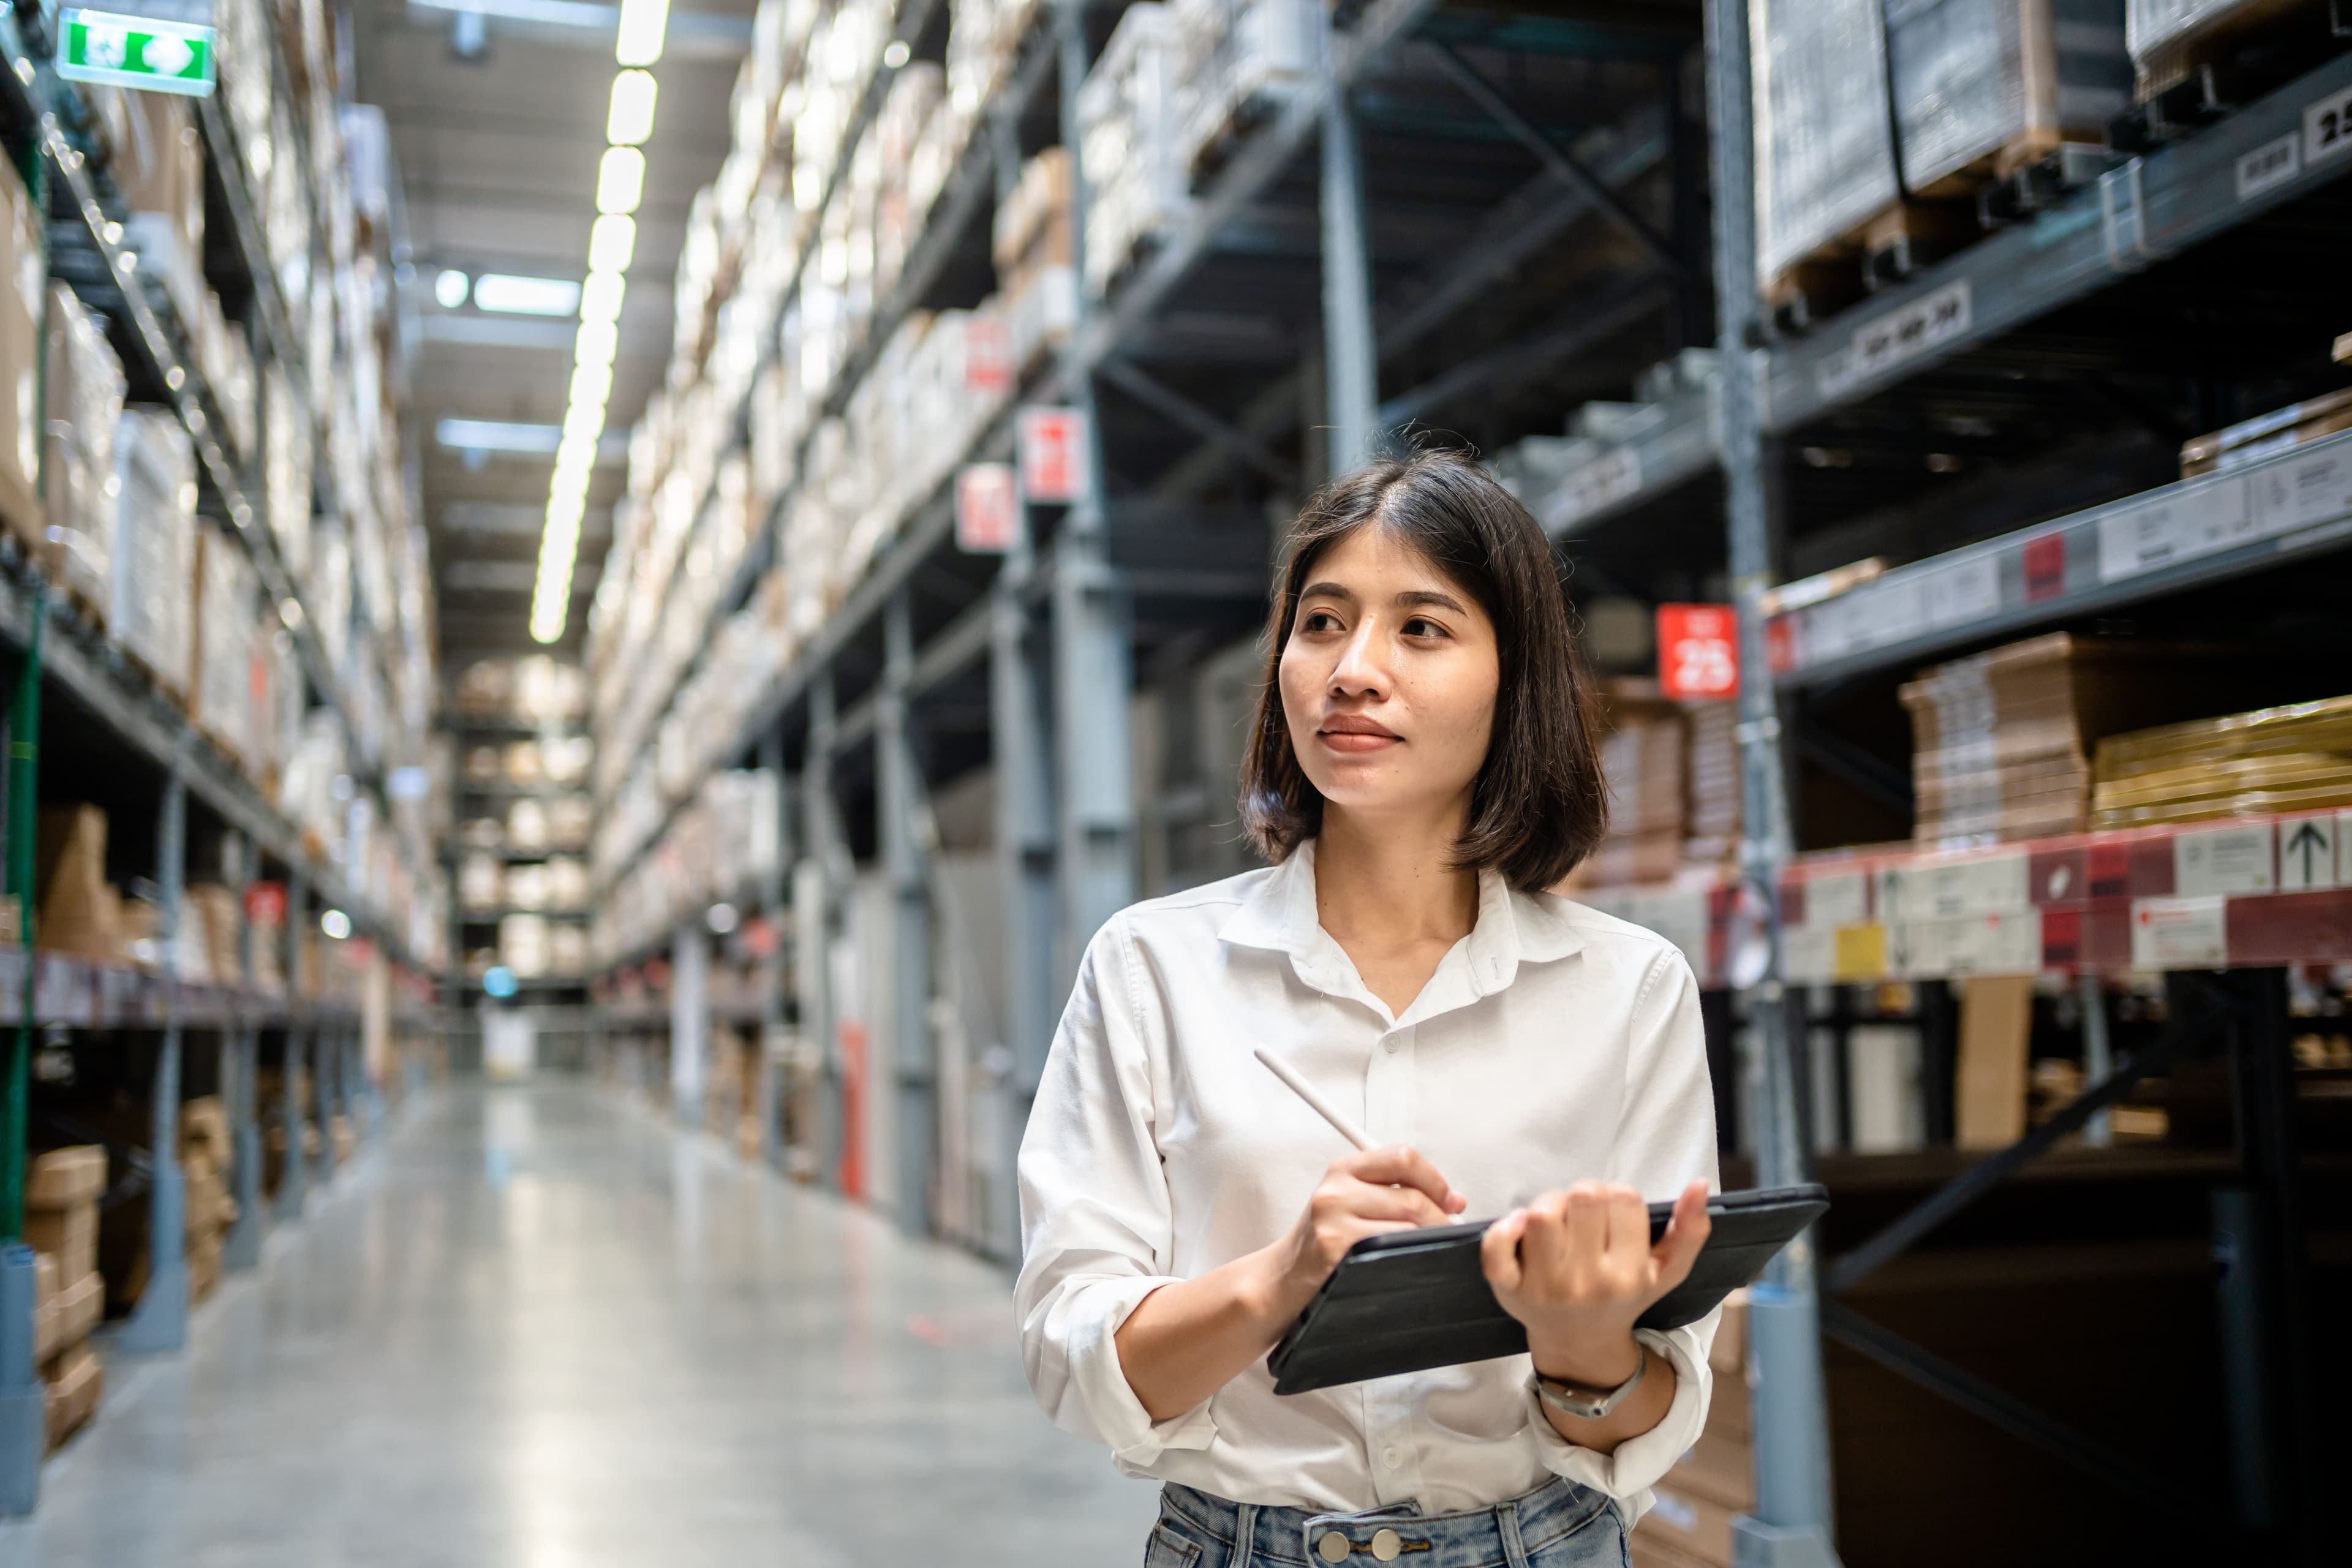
point(1698, 650)
point(987, 510)
point(1052, 443)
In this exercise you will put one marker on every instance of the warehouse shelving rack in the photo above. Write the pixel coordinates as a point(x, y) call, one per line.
point(82, 710)
point(1199, 432)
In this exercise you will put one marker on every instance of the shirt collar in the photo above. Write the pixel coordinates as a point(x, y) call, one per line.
point(1513, 928)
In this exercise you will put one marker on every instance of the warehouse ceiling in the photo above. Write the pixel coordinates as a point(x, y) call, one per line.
point(497, 118)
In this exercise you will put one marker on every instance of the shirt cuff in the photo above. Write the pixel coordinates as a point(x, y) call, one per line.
point(1119, 1417)
point(1640, 1462)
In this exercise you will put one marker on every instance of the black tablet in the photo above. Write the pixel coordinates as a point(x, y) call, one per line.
point(1418, 1298)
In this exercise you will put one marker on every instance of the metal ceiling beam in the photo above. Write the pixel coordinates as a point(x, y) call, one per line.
point(1567, 170)
point(1503, 368)
point(1174, 404)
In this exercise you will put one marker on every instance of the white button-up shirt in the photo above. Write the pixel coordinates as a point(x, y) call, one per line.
point(1553, 1043)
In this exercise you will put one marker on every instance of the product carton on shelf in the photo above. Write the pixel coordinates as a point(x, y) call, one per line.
point(2167, 37)
point(1127, 144)
point(25, 267)
point(79, 912)
point(1984, 87)
point(159, 168)
point(1825, 162)
point(74, 1382)
point(62, 1187)
point(1236, 61)
point(228, 589)
point(84, 406)
point(155, 556)
point(2267, 435)
point(2292, 758)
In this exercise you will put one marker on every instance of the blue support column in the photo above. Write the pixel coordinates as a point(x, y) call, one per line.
point(773, 1026)
point(689, 1019)
point(1351, 359)
point(302, 1019)
point(1020, 745)
point(1792, 1523)
point(326, 1057)
point(904, 810)
point(1093, 653)
point(819, 883)
point(24, 1402)
point(242, 1247)
point(160, 1321)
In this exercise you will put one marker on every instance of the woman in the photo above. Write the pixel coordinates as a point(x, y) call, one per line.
point(1422, 768)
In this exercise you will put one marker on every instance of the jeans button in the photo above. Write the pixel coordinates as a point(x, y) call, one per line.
point(1386, 1545)
point(1332, 1548)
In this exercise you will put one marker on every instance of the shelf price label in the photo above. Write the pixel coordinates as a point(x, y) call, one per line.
point(1053, 451)
point(1698, 650)
point(154, 54)
point(987, 508)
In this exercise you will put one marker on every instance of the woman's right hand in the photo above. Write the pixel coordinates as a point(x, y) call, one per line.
point(1364, 1194)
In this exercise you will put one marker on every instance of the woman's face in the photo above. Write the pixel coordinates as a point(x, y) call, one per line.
point(1389, 681)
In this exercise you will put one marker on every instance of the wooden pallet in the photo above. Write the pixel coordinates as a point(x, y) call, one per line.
point(1884, 249)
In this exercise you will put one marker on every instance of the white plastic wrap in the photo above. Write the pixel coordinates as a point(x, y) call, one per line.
point(85, 406)
point(155, 555)
point(1972, 77)
point(227, 590)
point(1127, 146)
point(1825, 146)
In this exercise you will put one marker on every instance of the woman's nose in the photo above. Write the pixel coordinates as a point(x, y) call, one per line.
point(1358, 672)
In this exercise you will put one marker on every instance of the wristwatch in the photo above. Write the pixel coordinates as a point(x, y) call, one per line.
point(1589, 1404)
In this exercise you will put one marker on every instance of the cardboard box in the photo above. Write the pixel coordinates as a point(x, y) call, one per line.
point(1982, 86)
point(1685, 1522)
point(68, 1315)
point(71, 1233)
point(1996, 1031)
point(203, 1130)
point(61, 1178)
point(84, 405)
point(227, 587)
point(74, 1382)
point(151, 615)
point(79, 911)
point(24, 279)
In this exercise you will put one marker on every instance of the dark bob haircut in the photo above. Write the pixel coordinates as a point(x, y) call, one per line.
point(1540, 803)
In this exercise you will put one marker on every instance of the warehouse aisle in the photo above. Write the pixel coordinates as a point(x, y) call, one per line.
point(536, 1330)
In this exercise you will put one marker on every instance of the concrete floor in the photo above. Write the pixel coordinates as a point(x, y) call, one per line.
point(535, 1329)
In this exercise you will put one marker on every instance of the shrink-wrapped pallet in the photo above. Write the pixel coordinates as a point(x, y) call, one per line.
point(286, 471)
point(1237, 61)
point(1128, 145)
point(85, 406)
point(2166, 35)
point(24, 272)
point(227, 589)
point(1825, 160)
point(151, 616)
point(1986, 86)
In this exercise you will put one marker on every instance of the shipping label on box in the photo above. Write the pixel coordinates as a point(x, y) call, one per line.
point(2005, 943)
point(2243, 858)
point(1840, 897)
point(1991, 884)
point(2180, 933)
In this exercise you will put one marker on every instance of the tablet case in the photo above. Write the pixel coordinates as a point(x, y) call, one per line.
point(1417, 1298)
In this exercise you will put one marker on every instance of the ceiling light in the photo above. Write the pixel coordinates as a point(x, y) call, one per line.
point(612, 243)
point(897, 54)
point(494, 436)
point(596, 342)
point(599, 297)
point(526, 296)
point(631, 118)
point(591, 384)
point(620, 180)
point(643, 23)
point(450, 288)
point(583, 422)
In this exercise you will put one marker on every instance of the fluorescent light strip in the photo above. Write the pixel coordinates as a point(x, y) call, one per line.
point(630, 118)
point(639, 39)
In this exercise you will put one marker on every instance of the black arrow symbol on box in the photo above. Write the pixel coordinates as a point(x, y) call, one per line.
point(2311, 841)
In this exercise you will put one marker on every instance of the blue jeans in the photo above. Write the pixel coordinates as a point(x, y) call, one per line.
point(1558, 1525)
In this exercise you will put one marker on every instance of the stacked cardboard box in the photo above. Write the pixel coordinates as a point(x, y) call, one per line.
point(1236, 62)
point(1690, 1525)
point(2169, 38)
point(2002, 740)
point(78, 911)
point(1128, 145)
point(1711, 831)
point(1983, 87)
point(226, 623)
point(2295, 758)
point(2267, 435)
point(1825, 161)
point(84, 405)
point(1642, 753)
point(61, 1191)
point(151, 616)
point(159, 167)
point(206, 1156)
point(1032, 245)
point(21, 296)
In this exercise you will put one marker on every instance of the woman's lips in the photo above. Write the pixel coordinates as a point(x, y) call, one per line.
point(1356, 736)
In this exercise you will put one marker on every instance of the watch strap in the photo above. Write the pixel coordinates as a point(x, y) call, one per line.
point(1590, 1404)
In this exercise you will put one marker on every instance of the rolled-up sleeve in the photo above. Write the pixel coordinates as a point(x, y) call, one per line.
point(1666, 1137)
point(1094, 1218)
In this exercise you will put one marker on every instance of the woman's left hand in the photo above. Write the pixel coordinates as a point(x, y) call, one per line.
point(1578, 1269)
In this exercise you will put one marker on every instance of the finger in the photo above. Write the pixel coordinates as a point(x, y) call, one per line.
point(1585, 1229)
point(1400, 1166)
point(1687, 1233)
point(1498, 1251)
point(1629, 1226)
point(1399, 1203)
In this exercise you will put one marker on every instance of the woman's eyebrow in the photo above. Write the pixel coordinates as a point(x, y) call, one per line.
point(1431, 596)
point(1327, 591)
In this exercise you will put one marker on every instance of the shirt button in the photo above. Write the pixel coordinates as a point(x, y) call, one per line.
point(1392, 1457)
point(1393, 1044)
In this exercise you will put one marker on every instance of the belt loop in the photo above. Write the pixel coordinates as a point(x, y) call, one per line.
point(1245, 1536)
point(1506, 1519)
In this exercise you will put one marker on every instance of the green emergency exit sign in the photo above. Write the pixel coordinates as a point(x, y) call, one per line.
point(144, 52)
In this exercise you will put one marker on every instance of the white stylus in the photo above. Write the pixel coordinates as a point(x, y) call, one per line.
point(1315, 1102)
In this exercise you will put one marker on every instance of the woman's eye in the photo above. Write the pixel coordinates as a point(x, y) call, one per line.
point(1419, 628)
point(1319, 621)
